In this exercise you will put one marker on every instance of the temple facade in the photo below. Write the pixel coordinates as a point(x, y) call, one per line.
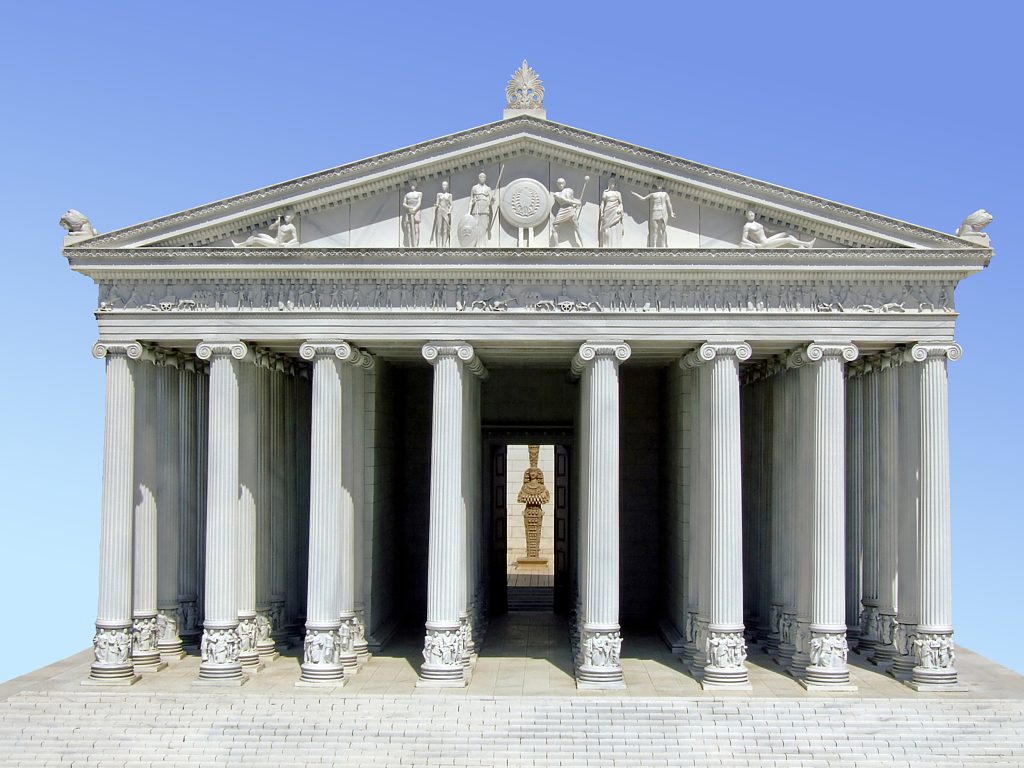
point(311, 388)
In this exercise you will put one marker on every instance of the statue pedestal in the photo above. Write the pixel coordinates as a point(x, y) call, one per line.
point(531, 563)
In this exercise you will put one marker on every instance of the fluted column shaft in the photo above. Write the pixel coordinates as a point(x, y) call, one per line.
point(828, 646)
point(600, 638)
point(169, 519)
point(790, 527)
point(248, 502)
point(724, 645)
point(360, 512)
point(444, 643)
point(888, 505)
point(779, 468)
point(935, 653)
point(693, 544)
point(802, 478)
point(907, 518)
point(870, 500)
point(188, 496)
point(854, 497)
point(264, 494)
point(321, 657)
point(112, 643)
point(145, 654)
point(220, 645)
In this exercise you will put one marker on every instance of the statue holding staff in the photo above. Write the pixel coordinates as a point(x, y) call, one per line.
point(565, 214)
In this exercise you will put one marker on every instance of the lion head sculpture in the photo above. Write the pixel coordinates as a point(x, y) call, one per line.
point(972, 226)
point(77, 224)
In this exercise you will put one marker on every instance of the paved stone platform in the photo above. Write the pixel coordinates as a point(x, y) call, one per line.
point(521, 709)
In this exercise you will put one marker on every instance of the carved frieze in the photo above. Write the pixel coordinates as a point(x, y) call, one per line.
point(589, 294)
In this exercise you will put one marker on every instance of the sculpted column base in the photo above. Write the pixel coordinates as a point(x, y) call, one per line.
point(828, 669)
point(145, 654)
point(935, 655)
point(188, 627)
point(347, 656)
point(169, 643)
point(113, 660)
point(443, 666)
point(321, 661)
point(773, 639)
point(725, 667)
point(885, 644)
point(868, 638)
point(248, 654)
point(787, 640)
point(600, 667)
point(220, 665)
point(359, 642)
point(265, 645)
point(903, 663)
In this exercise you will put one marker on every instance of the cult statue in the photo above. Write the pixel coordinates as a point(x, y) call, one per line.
point(533, 494)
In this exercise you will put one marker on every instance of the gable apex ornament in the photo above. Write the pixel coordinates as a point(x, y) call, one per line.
point(524, 94)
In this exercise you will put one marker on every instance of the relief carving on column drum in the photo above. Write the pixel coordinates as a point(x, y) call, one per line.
point(533, 494)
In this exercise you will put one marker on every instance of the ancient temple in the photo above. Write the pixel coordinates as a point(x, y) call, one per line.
point(310, 389)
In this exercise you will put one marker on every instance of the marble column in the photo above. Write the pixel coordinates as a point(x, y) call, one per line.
point(278, 508)
point(828, 646)
point(363, 363)
point(726, 653)
point(788, 518)
point(112, 644)
point(444, 641)
point(854, 497)
point(802, 498)
point(145, 654)
point(888, 504)
point(868, 638)
point(352, 478)
point(907, 512)
point(597, 364)
point(935, 654)
point(779, 468)
point(263, 489)
point(323, 644)
point(248, 500)
point(220, 647)
point(188, 496)
point(692, 490)
point(168, 455)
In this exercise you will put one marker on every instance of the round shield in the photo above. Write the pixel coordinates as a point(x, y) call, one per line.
point(525, 203)
point(467, 231)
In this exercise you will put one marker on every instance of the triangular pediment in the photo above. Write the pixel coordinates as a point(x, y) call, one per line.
point(358, 205)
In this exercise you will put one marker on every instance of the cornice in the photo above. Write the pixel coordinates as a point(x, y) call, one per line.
point(337, 262)
point(678, 171)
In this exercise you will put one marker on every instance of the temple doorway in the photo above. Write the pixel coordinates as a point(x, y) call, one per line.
point(529, 502)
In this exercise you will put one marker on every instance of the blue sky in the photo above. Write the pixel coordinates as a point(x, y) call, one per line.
point(128, 111)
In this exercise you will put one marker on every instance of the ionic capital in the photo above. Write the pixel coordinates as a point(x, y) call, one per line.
point(434, 351)
point(925, 349)
point(817, 351)
point(339, 349)
point(131, 349)
point(619, 351)
point(209, 349)
point(707, 352)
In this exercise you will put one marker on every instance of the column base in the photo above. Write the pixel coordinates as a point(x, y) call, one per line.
point(827, 679)
point(955, 687)
point(599, 679)
point(600, 653)
point(109, 674)
point(172, 656)
point(227, 676)
point(148, 664)
point(321, 676)
point(885, 648)
point(442, 677)
point(169, 644)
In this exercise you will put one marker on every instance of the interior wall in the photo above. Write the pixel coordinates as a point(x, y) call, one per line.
point(641, 494)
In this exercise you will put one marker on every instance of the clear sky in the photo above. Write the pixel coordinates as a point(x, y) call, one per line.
point(127, 111)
